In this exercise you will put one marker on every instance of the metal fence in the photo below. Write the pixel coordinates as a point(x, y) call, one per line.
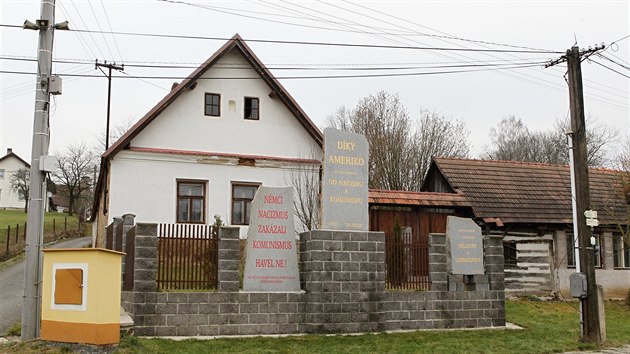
point(13, 238)
point(187, 257)
point(407, 261)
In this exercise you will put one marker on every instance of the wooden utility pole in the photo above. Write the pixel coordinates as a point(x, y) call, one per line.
point(590, 315)
point(109, 92)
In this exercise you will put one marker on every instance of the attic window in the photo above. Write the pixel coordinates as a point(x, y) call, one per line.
point(252, 107)
point(213, 105)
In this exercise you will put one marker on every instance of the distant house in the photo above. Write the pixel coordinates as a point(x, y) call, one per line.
point(206, 147)
point(529, 204)
point(9, 164)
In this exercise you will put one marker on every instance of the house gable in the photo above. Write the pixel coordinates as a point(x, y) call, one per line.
point(191, 82)
point(183, 125)
point(177, 125)
point(435, 181)
point(9, 164)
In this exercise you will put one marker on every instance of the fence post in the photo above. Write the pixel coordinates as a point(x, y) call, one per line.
point(118, 234)
point(229, 255)
point(438, 267)
point(128, 225)
point(65, 224)
point(8, 239)
point(145, 262)
point(54, 228)
point(25, 232)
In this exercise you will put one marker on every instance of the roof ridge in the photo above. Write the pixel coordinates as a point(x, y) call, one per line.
point(502, 161)
point(528, 163)
point(408, 192)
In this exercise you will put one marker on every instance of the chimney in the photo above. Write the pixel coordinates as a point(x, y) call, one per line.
point(9, 151)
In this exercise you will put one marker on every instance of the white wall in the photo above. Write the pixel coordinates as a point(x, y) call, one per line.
point(616, 282)
point(8, 197)
point(183, 125)
point(145, 184)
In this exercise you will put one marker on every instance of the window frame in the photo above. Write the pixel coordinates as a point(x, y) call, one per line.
point(622, 252)
point(597, 251)
point(190, 198)
point(510, 254)
point(257, 109)
point(211, 105)
point(233, 200)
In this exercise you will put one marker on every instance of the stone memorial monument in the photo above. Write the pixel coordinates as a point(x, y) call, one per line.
point(271, 258)
point(466, 246)
point(344, 198)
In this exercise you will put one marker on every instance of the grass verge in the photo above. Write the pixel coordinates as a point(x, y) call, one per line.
point(548, 327)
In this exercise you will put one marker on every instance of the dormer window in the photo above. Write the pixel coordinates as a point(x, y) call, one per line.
point(213, 105)
point(252, 108)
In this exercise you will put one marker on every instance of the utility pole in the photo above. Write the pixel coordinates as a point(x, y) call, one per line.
point(37, 192)
point(109, 91)
point(590, 326)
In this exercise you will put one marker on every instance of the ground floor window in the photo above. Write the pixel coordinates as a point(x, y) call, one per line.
point(242, 196)
point(191, 201)
point(621, 252)
point(510, 254)
point(597, 254)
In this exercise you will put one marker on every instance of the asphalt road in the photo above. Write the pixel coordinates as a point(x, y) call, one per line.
point(12, 286)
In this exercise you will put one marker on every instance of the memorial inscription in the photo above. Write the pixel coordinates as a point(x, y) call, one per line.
point(271, 258)
point(466, 245)
point(344, 199)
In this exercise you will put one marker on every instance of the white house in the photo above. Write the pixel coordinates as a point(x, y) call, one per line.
point(205, 148)
point(9, 164)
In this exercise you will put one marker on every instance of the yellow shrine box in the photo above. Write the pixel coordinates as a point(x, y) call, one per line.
point(81, 295)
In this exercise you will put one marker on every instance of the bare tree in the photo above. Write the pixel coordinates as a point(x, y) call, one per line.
point(305, 179)
point(513, 141)
point(400, 149)
point(20, 183)
point(114, 134)
point(437, 136)
point(74, 174)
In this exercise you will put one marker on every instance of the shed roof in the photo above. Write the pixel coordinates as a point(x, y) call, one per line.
point(428, 199)
point(505, 192)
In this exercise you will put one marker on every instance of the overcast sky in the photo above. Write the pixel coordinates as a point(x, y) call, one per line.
point(480, 98)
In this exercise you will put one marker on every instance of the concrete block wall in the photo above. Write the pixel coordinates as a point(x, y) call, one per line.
point(343, 274)
point(343, 291)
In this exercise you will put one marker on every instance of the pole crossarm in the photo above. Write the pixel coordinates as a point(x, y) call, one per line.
point(584, 52)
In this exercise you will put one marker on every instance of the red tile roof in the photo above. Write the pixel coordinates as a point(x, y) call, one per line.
point(521, 192)
point(429, 199)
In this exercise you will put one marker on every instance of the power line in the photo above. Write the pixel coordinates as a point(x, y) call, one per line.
point(109, 24)
point(327, 44)
point(521, 76)
point(79, 35)
point(86, 26)
point(446, 35)
point(613, 61)
point(543, 82)
point(294, 77)
point(197, 64)
point(344, 67)
point(609, 68)
point(98, 24)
